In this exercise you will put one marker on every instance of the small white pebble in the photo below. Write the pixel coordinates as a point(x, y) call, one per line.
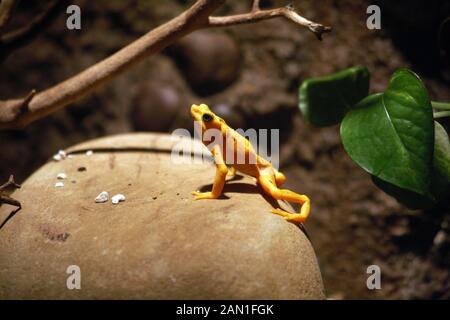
point(59, 184)
point(118, 198)
point(70, 156)
point(60, 155)
point(89, 153)
point(61, 176)
point(102, 197)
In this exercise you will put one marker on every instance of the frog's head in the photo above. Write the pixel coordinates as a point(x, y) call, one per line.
point(202, 114)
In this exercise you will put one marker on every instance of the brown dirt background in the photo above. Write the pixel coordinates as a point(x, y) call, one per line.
point(251, 74)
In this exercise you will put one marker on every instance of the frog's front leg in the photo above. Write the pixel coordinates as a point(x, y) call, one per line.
point(219, 180)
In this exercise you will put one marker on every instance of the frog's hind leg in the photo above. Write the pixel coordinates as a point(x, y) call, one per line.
point(270, 187)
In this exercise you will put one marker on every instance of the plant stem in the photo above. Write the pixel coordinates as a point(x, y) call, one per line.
point(440, 105)
point(441, 114)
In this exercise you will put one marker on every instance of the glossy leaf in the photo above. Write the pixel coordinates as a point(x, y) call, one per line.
point(324, 101)
point(440, 177)
point(391, 135)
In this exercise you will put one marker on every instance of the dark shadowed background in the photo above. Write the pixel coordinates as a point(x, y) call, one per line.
point(250, 75)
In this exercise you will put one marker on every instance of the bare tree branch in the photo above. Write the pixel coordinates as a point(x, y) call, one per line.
point(13, 109)
point(10, 183)
point(6, 189)
point(196, 17)
point(257, 15)
point(255, 5)
point(10, 201)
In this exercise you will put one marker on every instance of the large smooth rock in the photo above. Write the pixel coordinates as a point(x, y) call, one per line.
point(158, 244)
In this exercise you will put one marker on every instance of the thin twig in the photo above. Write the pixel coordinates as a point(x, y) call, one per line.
point(10, 183)
point(196, 17)
point(258, 15)
point(6, 189)
point(10, 216)
point(10, 201)
point(255, 5)
point(10, 110)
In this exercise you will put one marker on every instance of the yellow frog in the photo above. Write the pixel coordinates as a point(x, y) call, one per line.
point(254, 165)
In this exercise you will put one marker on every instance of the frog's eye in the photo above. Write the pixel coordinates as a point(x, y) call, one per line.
point(207, 117)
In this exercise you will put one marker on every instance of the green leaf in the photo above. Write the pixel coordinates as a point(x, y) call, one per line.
point(391, 135)
point(440, 177)
point(324, 101)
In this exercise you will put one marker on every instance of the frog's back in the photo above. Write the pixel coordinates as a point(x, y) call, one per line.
point(245, 159)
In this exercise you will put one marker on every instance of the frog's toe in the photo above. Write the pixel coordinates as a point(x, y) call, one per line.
point(280, 212)
point(202, 195)
point(295, 218)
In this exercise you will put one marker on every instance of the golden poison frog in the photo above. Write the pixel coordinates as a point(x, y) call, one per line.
point(253, 165)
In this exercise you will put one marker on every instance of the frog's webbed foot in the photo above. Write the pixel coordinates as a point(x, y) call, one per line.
point(291, 217)
point(283, 194)
point(203, 195)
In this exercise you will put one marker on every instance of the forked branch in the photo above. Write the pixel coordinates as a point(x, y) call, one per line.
point(6, 189)
point(18, 113)
point(257, 14)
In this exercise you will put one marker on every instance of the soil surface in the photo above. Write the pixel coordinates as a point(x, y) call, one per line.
point(250, 75)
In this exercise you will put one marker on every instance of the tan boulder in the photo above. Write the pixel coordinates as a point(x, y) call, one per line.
point(158, 243)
